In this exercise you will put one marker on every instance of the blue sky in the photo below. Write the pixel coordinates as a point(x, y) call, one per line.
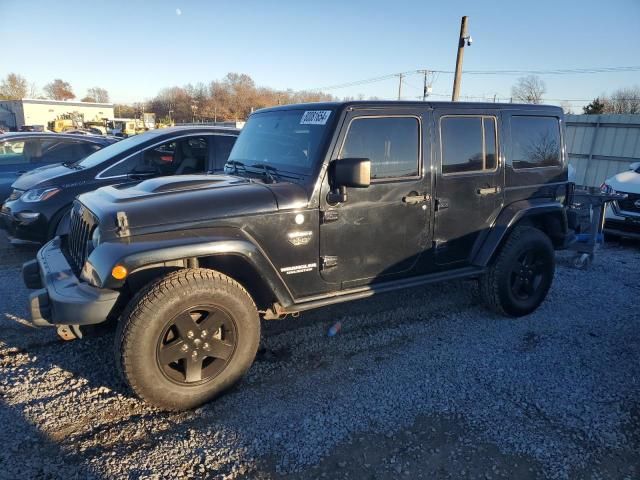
point(135, 48)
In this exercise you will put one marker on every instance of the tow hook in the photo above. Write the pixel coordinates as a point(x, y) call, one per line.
point(69, 332)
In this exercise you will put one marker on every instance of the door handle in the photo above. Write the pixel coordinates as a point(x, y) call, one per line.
point(488, 190)
point(414, 198)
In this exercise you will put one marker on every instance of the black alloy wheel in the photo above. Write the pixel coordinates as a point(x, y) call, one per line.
point(196, 345)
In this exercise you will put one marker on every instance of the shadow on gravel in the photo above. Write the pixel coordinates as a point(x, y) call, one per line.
point(31, 454)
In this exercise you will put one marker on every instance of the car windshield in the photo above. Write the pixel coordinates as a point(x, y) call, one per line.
point(287, 140)
point(113, 150)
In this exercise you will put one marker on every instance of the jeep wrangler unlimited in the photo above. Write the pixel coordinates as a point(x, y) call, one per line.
point(319, 204)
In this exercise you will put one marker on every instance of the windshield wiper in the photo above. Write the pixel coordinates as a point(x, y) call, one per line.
point(270, 173)
point(236, 165)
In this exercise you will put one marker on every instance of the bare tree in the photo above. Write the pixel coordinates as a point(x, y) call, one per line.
point(529, 89)
point(13, 87)
point(566, 107)
point(34, 91)
point(233, 97)
point(96, 94)
point(623, 101)
point(59, 90)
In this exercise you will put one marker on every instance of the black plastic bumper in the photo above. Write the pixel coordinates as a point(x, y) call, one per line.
point(23, 232)
point(61, 298)
point(623, 228)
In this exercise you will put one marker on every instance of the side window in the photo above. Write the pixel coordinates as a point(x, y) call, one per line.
point(54, 151)
point(535, 141)
point(468, 144)
point(12, 152)
point(223, 145)
point(391, 143)
point(190, 156)
point(125, 167)
point(153, 161)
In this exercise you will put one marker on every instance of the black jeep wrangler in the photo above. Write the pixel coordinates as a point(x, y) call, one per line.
point(319, 204)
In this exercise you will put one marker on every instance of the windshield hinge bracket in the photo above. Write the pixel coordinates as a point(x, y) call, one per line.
point(122, 228)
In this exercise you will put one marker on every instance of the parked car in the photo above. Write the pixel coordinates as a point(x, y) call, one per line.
point(623, 216)
point(36, 209)
point(21, 152)
point(320, 204)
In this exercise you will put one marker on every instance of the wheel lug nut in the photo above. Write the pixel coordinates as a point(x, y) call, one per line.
point(185, 348)
point(190, 334)
point(203, 333)
point(206, 346)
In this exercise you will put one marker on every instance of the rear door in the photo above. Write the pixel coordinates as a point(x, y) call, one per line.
point(469, 184)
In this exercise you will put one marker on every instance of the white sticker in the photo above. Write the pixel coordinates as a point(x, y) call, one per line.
point(315, 117)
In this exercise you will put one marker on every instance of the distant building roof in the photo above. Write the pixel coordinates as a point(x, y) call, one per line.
point(46, 101)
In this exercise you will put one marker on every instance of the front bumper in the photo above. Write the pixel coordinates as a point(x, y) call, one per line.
point(23, 227)
point(61, 298)
point(620, 224)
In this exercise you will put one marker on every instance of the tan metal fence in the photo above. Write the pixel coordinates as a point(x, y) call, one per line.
point(600, 146)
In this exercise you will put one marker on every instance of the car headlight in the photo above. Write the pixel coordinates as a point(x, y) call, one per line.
point(39, 194)
point(95, 237)
point(606, 188)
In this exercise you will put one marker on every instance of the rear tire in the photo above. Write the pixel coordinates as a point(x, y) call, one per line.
point(520, 277)
point(186, 338)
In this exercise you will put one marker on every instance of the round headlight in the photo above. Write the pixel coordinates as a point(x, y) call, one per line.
point(95, 237)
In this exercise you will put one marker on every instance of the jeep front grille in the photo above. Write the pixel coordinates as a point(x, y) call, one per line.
point(81, 225)
point(629, 203)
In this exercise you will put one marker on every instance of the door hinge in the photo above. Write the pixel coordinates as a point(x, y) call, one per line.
point(329, 216)
point(328, 261)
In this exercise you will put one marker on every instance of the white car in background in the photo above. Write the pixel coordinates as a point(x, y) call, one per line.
point(623, 216)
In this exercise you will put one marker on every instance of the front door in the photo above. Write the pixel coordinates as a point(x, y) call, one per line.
point(380, 231)
point(469, 184)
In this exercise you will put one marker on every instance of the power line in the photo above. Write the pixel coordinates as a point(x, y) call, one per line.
point(565, 71)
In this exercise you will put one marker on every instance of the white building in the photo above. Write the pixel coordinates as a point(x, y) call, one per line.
point(16, 113)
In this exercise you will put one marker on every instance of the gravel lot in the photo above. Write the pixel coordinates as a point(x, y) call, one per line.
point(422, 383)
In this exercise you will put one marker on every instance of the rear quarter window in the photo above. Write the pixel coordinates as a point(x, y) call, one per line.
point(535, 141)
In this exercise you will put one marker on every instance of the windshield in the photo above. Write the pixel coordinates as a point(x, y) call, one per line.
point(113, 150)
point(288, 140)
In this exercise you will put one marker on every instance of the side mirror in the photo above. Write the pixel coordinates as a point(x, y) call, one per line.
point(348, 172)
point(351, 172)
point(634, 166)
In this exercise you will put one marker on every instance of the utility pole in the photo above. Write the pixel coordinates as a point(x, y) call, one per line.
point(425, 92)
point(400, 85)
point(464, 38)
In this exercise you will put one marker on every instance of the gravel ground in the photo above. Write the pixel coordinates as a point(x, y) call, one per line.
point(422, 383)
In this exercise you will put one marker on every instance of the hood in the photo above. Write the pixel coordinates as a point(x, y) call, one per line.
point(188, 201)
point(43, 176)
point(628, 181)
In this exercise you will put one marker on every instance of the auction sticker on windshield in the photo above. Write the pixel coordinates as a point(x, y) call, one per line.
point(315, 117)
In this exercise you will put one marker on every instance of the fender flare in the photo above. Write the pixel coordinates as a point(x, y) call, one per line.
point(139, 254)
point(506, 221)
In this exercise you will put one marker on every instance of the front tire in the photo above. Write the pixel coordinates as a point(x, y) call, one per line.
point(186, 338)
point(520, 277)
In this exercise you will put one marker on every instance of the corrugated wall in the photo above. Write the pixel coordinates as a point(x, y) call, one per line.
point(600, 146)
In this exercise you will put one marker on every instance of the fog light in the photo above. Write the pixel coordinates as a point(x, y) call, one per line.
point(119, 272)
point(28, 216)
